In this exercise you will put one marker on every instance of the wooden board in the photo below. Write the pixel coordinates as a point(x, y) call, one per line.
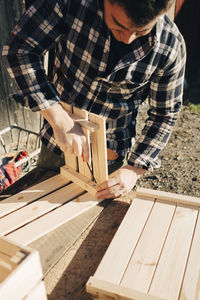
point(46, 223)
point(38, 208)
point(159, 262)
point(31, 194)
point(20, 270)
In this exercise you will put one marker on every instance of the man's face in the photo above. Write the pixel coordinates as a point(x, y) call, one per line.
point(121, 26)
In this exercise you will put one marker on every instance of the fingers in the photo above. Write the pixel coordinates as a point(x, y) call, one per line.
point(112, 188)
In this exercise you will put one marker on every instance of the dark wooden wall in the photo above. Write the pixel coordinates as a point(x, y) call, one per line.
point(10, 111)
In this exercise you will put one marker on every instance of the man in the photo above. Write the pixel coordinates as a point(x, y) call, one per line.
point(110, 56)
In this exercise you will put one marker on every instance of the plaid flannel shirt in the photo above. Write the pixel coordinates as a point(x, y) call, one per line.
point(154, 69)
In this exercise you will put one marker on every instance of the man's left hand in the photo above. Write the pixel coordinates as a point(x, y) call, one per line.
point(119, 183)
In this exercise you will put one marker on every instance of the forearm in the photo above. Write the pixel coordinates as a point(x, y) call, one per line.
point(58, 118)
point(152, 141)
point(24, 50)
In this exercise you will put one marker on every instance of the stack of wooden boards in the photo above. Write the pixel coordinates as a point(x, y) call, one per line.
point(20, 273)
point(155, 254)
point(32, 213)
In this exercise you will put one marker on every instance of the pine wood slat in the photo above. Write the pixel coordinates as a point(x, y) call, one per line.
point(191, 284)
point(33, 193)
point(24, 278)
point(57, 217)
point(99, 149)
point(6, 262)
point(144, 260)
point(79, 179)
point(70, 159)
point(106, 290)
point(170, 270)
point(116, 258)
point(82, 166)
point(171, 197)
point(8, 248)
point(34, 210)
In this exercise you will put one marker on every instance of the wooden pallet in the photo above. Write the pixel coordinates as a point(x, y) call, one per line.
point(20, 272)
point(155, 253)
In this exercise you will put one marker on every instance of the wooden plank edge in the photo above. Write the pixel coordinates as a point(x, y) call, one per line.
point(101, 288)
point(168, 197)
point(79, 179)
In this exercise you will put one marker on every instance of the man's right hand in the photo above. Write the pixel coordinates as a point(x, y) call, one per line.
point(68, 134)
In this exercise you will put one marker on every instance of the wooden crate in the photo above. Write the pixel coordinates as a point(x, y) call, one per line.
point(20, 272)
point(155, 253)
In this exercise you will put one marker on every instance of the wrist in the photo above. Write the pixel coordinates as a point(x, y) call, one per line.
point(58, 117)
point(138, 171)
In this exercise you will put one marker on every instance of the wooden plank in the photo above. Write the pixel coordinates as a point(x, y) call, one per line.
point(48, 222)
point(4, 271)
point(31, 194)
point(79, 179)
point(38, 208)
point(170, 270)
point(9, 248)
point(82, 166)
point(70, 159)
point(116, 258)
point(38, 293)
point(54, 244)
point(99, 149)
point(143, 262)
point(102, 289)
point(19, 283)
point(191, 284)
point(170, 197)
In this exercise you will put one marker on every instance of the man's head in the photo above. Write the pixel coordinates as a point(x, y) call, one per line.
point(130, 19)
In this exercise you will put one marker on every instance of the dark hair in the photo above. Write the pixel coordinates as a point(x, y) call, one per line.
point(141, 12)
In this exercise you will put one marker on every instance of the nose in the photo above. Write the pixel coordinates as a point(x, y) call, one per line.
point(127, 37)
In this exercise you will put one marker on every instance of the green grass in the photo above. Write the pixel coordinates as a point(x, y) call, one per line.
point(194, 108)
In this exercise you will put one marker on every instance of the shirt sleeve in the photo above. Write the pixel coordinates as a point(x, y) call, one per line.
point(36, 32)
point(165, 99)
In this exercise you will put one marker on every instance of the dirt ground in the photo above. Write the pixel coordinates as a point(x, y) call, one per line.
point(180, 171)
point(179, 174)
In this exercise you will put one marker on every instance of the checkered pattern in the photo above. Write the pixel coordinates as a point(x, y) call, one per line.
point(154, 69)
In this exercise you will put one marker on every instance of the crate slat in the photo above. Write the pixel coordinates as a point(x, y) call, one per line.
point(38, 208)
point(51, 221)
point(31, 194)
point(170, 271)
point(142, 265)
point(114, 263)
point(191, 283)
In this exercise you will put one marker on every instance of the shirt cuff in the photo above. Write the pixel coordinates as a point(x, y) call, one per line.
point(143, 162)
